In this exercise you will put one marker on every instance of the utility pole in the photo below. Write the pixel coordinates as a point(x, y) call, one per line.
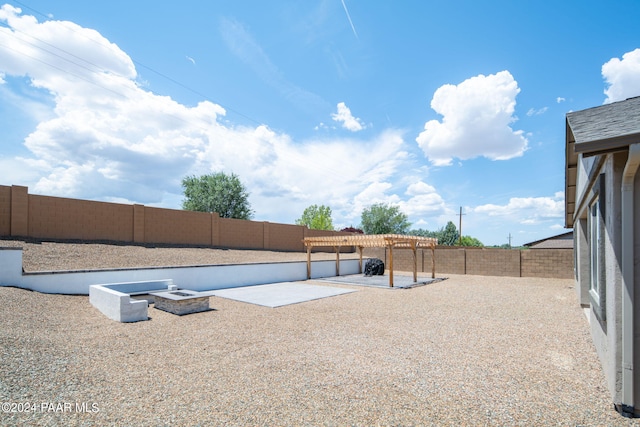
point(509, 240)
point(460, 228)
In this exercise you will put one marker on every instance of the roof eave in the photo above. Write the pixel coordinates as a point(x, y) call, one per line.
point(606, 145)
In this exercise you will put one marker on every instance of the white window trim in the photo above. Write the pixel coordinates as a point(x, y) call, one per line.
point(596, 226)
point(595, 242)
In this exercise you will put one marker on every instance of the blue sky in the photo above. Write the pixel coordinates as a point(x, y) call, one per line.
point(430, 106)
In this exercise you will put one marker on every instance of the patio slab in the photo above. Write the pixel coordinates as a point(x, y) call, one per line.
point(400, 281)
point(279, 294)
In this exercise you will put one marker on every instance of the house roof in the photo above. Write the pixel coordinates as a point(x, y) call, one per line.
point(561, 241)
point(607, 127)
point(597, 130)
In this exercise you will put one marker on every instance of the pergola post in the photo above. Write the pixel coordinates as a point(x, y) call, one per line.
point(308, 262)
point(391, 265)
point(337, 249)
point(415, 262)
point(360, 248)
point(433, 261)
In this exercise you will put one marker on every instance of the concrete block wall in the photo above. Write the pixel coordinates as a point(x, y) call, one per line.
point(5, 211)
point(45, 217)
point(552, 263)
point(19, 211)
point(448, 260)
point(556, 263)
point(403, 260)
point(284, 237)
point(238, 233)
point(493, 262)
point(177, 227)
point(62, 218)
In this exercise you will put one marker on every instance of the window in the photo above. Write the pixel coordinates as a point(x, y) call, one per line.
point(596, 226)
point(595, 242)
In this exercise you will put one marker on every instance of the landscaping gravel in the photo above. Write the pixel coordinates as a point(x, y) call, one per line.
point(469, 350)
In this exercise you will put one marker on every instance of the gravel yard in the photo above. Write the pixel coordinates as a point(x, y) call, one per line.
point(468, 350)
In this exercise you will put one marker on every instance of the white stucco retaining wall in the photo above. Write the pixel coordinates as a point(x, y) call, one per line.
point(117, 305)
point(196, 278)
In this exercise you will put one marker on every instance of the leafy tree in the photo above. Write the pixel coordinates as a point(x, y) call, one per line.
point(423, 233)
point(449, 236)
point(351, 229)
point(316, 218)
point(217, 192)
point(471, 241)
point(382, 218)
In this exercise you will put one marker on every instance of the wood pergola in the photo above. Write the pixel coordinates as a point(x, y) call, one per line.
point(362, 241)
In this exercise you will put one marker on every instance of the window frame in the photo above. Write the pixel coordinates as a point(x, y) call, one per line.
point(596, 226)
point(595, 242)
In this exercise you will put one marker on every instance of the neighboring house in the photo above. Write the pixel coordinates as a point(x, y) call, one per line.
point(601, 185)
point(561, 241)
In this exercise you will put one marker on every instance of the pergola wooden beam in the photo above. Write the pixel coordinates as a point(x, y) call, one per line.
point(362, 241)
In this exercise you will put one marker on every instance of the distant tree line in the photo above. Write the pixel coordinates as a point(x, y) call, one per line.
point(226, 195)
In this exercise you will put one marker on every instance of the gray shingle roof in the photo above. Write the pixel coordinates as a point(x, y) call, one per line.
point(562, 241)
point(605, 127)
point(594, 131)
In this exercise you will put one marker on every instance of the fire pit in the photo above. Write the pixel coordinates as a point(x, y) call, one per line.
point(181, 294)
point(181, 302)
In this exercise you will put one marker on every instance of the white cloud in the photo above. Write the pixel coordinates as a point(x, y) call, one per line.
point(345, 117)
point(424, 201)
point(419, 188)
point(86, 55)
point(560, 99)
point(622, 77)
point(105, 137)
point(539, 111)
point(528, 210)
point(477, 115)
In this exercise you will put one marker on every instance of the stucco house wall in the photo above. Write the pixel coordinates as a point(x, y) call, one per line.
point(605, 323)
point(601, 146)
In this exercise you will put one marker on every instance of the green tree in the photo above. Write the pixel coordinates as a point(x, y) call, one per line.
point(316, 217)
point(382, 218)
point(449, 235)
point(471, 241)
point(217, 192)
point(423, 233)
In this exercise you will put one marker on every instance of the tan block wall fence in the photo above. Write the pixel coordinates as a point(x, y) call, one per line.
point(552, 263)
point(43, 217)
